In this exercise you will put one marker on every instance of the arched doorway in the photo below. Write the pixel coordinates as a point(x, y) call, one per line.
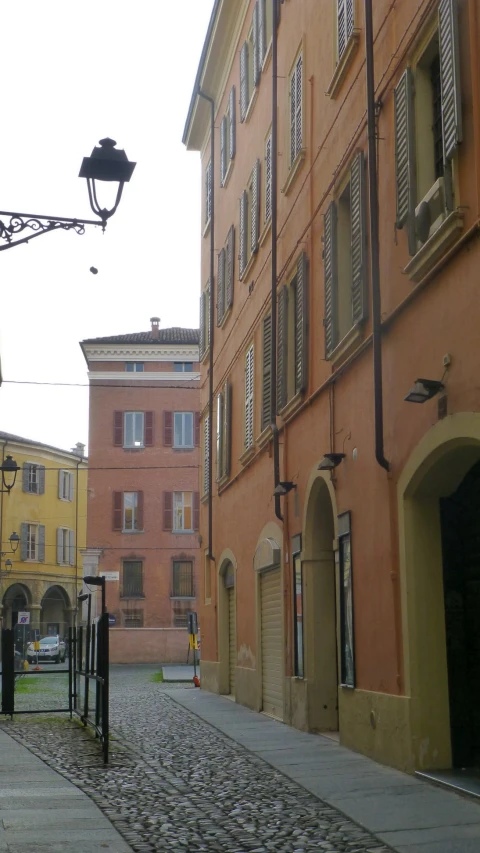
point(227, 627)
point(15, 600)
point(53, 618)
point(229, 584)
point(320, 601)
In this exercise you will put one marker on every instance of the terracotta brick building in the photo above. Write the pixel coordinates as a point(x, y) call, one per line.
point(345, 213)
point(143, 493)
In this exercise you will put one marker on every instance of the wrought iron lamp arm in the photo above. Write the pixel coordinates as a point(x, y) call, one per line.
point(40, 225)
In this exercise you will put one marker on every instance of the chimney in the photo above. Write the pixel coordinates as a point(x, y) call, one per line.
point(79, 449)
point(155, 330)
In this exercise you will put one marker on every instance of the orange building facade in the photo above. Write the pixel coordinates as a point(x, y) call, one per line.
point(347, 602)
point(143, 493)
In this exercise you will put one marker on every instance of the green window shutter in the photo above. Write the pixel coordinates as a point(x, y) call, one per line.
point(301, 324)
point(330, 278)
point(221, 287)
point(243, 81)
point(233, 123)
point(267, 372)
point(405, 156)
point(249, 390)
point(26, 476)
point(450, 77)
point(358, 239)
point(243, 233)
point(282, 348)
point(227, 423)
point(268, 178)
point(220, 433)
point(59, 545)
point(202, 326)
point(262, 30)
point(230, 268)
point(41, 543)
point(255, 218)
point(257, 67)
point(223, 150)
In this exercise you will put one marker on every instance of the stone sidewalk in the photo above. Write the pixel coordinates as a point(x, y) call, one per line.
point(409, 815)
point(42, 812)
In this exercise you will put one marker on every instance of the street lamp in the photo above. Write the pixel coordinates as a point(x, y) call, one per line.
point(9, 470)
point(106, 163)
point(14, 540)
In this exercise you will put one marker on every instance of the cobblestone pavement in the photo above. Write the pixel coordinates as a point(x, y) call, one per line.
point(177, 784)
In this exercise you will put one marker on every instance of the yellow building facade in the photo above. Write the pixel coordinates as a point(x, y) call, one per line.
point(40, 572)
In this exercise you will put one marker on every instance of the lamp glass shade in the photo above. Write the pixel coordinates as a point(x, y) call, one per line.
point(9, 470)
point(107, 163)
point(423, 390)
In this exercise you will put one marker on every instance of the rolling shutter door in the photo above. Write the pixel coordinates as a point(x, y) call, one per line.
point(272, 658)
point(232, 640)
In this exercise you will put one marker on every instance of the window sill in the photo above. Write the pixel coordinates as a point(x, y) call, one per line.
point(294, 171)
point(249, 266)
point(267, 57)
point(346, 346)
point(182, 598)
point(206, 228)
point(138, 596)
point(66, 500)
point(293, 404)
point(251, 105)
point(343, 64)
point(226, 179)
point(141, 447)
point(131, 532)
point(265, 436)
point(183, 447)
point(179, 532)
point(204, 498)
point(205, 355)
point(435, 246)
point(224, 318)
point(223, 481)
point(247, 455)
point(266, 231)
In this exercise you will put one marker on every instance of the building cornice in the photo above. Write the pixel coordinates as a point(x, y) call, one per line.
point(142, 352)
point(146, 376)
point(30, 449)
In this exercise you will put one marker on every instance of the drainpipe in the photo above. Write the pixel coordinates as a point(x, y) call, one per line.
point(273, 375)
point(374, 241)
point(211, 322)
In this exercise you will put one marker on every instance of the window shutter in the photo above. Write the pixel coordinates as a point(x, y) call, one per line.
point(206, 455)
point(256, 45)
point(208, 322)
point(59, 545)
point(139, 510)
point(60, 482)
point(341, 27)
point(267, 372)
point(243, 81)
point(349, 14)
point(41, 543)
point(208, 191)
point(227, 436)
point(168, 429)
point(70, 486)
point(268, 178)
point(230, 271)
point(223, 150)
point(262, 30)
point(293, 113)
point(71, 547)
point(330, 278)
point(450, 77)
point(118, 429)
point(282, 348)
point(202, 347)
point(149, 421)
point(405, 157)
point(168, 510)
point(301, 324)
point(197, 428)
point(255, 219)
point(249, 382)
point(358, 239)
point(41, 479)
point(299, 105)
point(196, 510)
point(26, 476)
point(220, 413)
point(233, 123)
point(23, 540)
point(243, 233)
point(117, 523)
point(220, 287)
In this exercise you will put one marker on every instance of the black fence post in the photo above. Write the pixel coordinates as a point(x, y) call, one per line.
point(70, 671)
point(104, 620)
point(8, 672)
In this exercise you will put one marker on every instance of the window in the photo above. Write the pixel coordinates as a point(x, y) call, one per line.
point(208, 192)
point(227, 138)
point(134, 366)
point(249, 388)
point(182, 581)
point(206, 455)
point(65, 546)
point(249, 229)
point(183, 429)
point(133, 618)
point(204, 322)
point(33, 478)
point(292, 335)
point(133, 429)
point(32, 542)
point(183, 366)
point(298, 606)
point(65, 485)
point(268, 178)
point(344, 256)
point(267, 372)
point(296, 109)
point(252, 55)
point(347, 662)
point(428, 131)
point(128, 511)
point(345, 22)
point(224, 426)
point(225, 277)
point(181, 511)
point(180, 611)
point(132, 579)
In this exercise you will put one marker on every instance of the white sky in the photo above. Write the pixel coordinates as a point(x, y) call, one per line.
point(73, 73)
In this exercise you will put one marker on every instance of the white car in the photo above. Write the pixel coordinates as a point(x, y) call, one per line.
point(51, 648)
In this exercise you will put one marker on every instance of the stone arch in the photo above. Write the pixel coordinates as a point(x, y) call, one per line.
point(16, 597)
point(56, 609)
point(434, 470)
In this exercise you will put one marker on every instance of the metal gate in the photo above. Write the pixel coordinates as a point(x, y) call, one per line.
point(88, 677)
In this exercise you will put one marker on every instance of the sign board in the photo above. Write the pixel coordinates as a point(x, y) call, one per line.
point(110, 576)
point(111, 619)
point(193, 641)
point(24, 618)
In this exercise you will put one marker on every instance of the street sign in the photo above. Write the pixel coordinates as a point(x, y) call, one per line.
point(111, 619)
point(110, 576)
point(24, 618)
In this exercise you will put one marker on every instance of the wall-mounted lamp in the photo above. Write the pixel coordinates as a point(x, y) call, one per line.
point(97, 580)
point(284, 487)
point(330, 461)
point(8, 565)
point(423, 390)
point(9, 470)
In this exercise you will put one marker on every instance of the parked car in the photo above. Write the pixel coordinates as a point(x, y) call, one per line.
point(51, 649)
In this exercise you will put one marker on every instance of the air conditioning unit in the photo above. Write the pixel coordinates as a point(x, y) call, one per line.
point(431, 212)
